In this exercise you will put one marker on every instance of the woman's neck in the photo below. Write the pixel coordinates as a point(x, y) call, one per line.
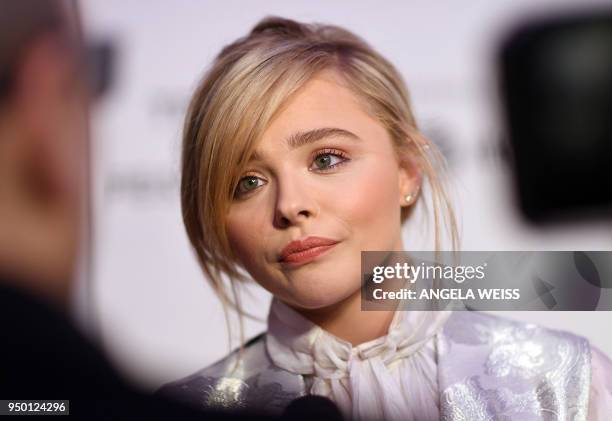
point(348, 321)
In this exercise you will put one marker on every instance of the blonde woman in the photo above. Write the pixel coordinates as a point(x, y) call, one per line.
point(300, 151)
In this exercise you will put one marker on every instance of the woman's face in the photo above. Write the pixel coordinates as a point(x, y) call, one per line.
point(324, 168)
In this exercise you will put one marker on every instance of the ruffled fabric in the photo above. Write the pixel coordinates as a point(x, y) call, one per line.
point(393, 377)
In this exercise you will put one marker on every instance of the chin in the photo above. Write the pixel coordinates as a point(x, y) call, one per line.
point(315, 289)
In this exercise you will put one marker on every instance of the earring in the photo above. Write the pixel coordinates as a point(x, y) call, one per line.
point(411, 196)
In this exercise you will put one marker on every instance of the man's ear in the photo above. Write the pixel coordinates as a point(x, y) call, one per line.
point(410, 178)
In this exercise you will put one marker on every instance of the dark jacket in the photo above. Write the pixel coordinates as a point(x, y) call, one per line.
point(43, 356)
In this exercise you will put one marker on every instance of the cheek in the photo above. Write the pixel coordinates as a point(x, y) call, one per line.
point(371, 199)
point(245, 231)
point(248, 238)
point(240, 235)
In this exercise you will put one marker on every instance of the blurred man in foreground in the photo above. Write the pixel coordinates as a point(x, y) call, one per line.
point(44, 99)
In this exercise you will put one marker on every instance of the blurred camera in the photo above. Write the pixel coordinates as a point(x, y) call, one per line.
point(556, 87)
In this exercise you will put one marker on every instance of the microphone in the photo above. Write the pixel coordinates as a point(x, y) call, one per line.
point(312, 407)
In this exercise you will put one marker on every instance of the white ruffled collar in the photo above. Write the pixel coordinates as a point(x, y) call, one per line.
point(353, 376)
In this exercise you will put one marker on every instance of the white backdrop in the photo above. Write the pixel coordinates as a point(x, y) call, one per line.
point(157, 316)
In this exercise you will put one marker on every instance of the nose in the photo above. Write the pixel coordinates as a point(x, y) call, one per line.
point(294, 203)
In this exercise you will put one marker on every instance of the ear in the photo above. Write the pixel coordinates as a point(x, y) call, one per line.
point(410, 178)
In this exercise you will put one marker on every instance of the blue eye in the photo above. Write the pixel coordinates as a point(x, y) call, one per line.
point(327, 160)
point(324, 161)
point(248, 184)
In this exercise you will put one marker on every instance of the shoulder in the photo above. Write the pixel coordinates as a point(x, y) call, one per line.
point(600, 401)
point(70, 360)
point(602, 368)
point(245, 379)
point(503, 350)
point(517, 367)
point(252, 360)
point(508, 348)
point(479, 328)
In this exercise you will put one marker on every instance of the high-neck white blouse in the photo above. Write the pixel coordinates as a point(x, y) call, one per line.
point(393, 377)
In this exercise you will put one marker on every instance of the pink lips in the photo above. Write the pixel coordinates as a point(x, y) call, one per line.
point(305, 250)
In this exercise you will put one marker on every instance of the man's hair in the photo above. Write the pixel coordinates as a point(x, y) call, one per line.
point(21, 22)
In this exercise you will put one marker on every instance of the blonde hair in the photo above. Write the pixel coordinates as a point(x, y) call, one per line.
point(245, 88)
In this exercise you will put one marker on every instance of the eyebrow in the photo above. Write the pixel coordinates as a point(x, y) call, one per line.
point(299, 139)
